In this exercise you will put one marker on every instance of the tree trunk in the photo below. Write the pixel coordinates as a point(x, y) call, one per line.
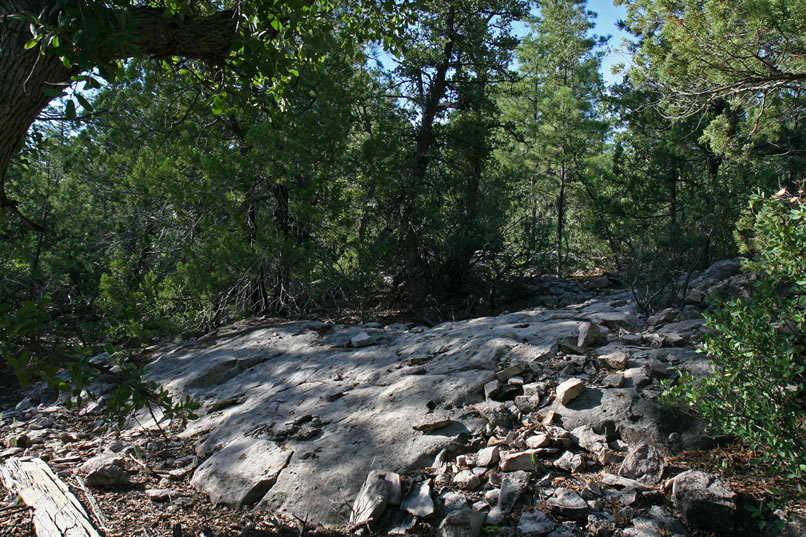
point(416, 273)
point(25, 74)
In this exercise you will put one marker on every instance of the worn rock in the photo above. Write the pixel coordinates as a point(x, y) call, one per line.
point(522, 460)
point(464, 523)
point(488, 456)
point(614, 360)
point(419, 502)
point(704, 501)
point(535, 524)
point(570, 462)
point(371, 501)
point(105, 470)
point(643, 463)
point(242, 472)
point(567, 503)
point(158, 495)
point(466, 480)
point(570, 390)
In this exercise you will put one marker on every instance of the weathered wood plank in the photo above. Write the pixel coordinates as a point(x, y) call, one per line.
point(57, 512)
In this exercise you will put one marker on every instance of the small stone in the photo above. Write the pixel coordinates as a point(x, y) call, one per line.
point(453, 501)
point(515, 381)
point(464, 523)
point(419, 502)
point(488, 456)
point(601, 524)
point(614, 380)
point(569, 462)
point(538, 441)
point(570, 390)
point(362, 340)
point(618, 481)
point(643, 463)
point(371, 501)
point(591, 491)
point(491, 389)
point(511, 371)
point(105, 470)
point(535, 524)
point(158, 495)
point(614, 360)
point(567, 503)
point(466, 480)
point(431, 424)
point(588, 334)
point(524, 460)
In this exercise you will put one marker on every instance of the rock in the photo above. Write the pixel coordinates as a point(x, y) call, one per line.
point(362, 340)
point(466, 480)
point(659, 519)
point(614, 380)
point(570, 390)
point(538, 441)
point(704, 501)
point(371, 501)
point(618, 481)
point(453, 501)
point(512, 371)
point(585, 437)
point(569, 462)
point(491, 389)
point(497, 414)
point(464, 523)
point(508, 495)
point(158, 495)
point(431, 424)
point(567, 503)
point(523, 460)
point(488, 456)
point(535, 524)
point(566, 529)
point(242, 472)
point(105, 470)
point(601, 524)
point(614, 360)
point(643, 463)
point(588, 335)
point(419, 502)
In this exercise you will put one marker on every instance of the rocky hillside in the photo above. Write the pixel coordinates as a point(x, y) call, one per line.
point(537, 422)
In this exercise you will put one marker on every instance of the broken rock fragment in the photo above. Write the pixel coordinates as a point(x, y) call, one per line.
point(570, 390)
point(704, 501)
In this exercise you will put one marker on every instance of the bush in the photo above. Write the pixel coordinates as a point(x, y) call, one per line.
point(758, 344)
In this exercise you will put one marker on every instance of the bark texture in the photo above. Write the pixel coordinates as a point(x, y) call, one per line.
point(25, 74)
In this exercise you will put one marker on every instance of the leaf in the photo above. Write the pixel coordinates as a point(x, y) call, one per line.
point(32, 43)
point(70, 109)
point(85, 104)
point(218, 105)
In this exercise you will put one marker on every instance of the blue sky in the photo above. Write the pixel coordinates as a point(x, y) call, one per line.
point(608, 15)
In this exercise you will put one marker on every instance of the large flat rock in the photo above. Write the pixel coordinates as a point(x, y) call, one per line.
point(294, 417)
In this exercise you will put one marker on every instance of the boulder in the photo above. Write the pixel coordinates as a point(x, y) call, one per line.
point(704, 501)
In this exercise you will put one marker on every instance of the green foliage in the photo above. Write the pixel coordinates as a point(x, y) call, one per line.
point(758, 346)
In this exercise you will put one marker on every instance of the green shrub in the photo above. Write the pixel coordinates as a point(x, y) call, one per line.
point(758, 343)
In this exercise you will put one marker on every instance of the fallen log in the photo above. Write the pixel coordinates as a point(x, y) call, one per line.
point(57, 512)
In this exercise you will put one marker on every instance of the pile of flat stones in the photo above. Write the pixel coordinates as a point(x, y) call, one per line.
point(526, 475)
